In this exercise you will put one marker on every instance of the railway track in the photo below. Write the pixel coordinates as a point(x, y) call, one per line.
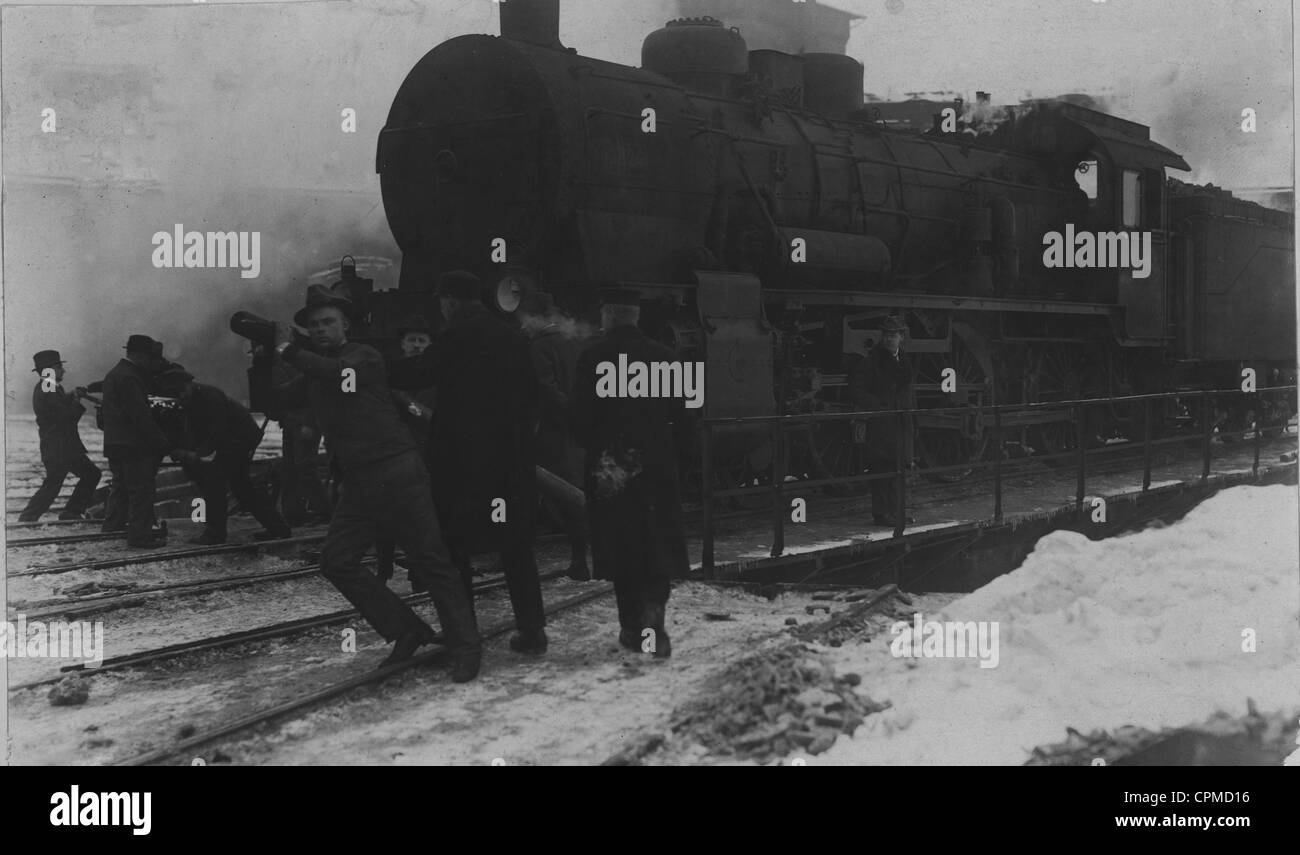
point(337, 689)
point(92, 537)
point(112, 601)
point(158, 557)
point(263, 633)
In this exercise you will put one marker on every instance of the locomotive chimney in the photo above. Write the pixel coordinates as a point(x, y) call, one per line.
point(534, 21)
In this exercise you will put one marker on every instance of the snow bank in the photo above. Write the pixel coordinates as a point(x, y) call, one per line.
point(1145, 629)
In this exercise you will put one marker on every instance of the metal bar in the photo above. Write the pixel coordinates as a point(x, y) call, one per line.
point(1081, 436)
point(1259, 414)
point(934, 301)
point(778, 476)
point(1146, 445)
point(745, 421)
point(1209, 429)
point(997, 466)
point(706, 490)
point(900, 522)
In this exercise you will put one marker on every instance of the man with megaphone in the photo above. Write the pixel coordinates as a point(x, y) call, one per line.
point(385, 487)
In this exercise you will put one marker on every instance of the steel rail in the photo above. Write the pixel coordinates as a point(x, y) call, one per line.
point(342, 687)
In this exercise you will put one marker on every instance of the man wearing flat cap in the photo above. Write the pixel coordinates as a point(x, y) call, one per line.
point(385, 488)
point(57, 415)
point(554, 352)
point(883, 381)
point(633, 502)
point(225, 436)
point(133, 442)
point(481, 454)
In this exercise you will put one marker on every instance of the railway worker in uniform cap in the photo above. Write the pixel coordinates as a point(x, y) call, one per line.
point(385, 489)
point(555, 357)
point(883, 381)
point(133, 442)
point(225, 436)
point(62, 452)
point(481, 453)
point(637, 537)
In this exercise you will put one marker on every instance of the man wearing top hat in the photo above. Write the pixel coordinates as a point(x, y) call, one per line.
point(133, 442)
point(883, 381)
point(555, 357)
point(225, 436)
point(633, 504)
point(57, 415)
point(385, 488)
point(481, 453)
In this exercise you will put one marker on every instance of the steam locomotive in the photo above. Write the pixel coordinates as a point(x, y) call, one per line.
point(770, 221)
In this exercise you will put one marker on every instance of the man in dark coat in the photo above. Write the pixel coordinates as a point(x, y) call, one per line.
point(637, 537)
point(883, 381)
point(385, 489)
point(555, 358)
point(411, 378)
point(133, 442)
point(481, 453)
point(225, 436)
point(57, 415)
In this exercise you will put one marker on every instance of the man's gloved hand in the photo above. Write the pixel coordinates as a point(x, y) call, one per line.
point(80, 392)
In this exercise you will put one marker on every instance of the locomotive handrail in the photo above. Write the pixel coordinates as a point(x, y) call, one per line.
point(966, 408)
point(777, 425)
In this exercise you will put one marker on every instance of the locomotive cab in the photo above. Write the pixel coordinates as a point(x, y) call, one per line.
point(1119, 178)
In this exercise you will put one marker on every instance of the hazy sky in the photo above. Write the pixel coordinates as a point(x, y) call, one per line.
point(227, 117)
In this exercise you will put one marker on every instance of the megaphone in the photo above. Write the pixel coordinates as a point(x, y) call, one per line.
point(259, 330)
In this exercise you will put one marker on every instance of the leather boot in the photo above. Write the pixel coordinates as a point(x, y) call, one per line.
point(406, 645)
point(653, 618)
point(529, 641)
point(465, 663)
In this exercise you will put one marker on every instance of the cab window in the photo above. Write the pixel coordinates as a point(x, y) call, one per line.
point(1133, 199)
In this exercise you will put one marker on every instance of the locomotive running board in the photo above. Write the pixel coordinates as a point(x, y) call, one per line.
point(896, 300)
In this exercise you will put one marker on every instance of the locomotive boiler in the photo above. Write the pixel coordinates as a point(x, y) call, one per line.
point(770, 221)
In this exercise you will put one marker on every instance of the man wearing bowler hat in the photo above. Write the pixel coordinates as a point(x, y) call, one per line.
point(133, 442)
point(633, 503)
point(57, 415)
point(385, 488)
point(225, 436)
point(481, 452)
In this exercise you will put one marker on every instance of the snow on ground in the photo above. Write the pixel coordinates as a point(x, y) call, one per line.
point(1145, 630)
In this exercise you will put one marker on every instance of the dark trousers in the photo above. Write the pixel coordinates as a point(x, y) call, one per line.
point(520, 568)
point(633, 594)
point(130, 496)
point(55, 471)
point(392, 498)
point(229, 470)
point(300, 487)
point(884, 493)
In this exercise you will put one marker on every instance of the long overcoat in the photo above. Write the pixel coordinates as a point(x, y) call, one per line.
point(481, 446)
point(881, 382)
point(633, 502)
